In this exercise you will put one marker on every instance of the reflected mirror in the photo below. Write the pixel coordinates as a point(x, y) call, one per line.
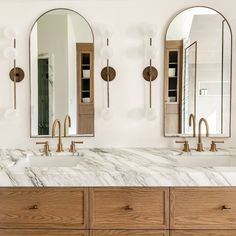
point(61, 72)
point(198, 65)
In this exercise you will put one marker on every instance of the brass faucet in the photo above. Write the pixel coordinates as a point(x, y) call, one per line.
point(59, 145)
point(67, 118)
point(200, 145)
point(192, 122)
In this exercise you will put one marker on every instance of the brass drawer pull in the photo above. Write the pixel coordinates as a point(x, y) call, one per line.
point(128, 208)
point(225, 208)
point(34, 207)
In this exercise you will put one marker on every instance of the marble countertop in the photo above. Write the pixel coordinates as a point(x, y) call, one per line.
point(114, 167)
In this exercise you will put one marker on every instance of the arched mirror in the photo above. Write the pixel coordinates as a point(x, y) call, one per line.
point(198, 72)
point(61, 73)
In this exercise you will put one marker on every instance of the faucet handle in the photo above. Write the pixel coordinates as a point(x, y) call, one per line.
point(73, 146)
point(213, 145)
point(46, 148)
point(186, 145)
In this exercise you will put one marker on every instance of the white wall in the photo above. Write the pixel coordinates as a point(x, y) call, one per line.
point(128, 92)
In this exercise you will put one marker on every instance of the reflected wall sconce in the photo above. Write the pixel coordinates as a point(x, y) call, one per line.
point(108, 73)
point(16, 73)
point(150, 73)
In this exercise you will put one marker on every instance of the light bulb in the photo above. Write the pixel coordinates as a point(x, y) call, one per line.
point(151, 52)
point(11, 114)
point(107, 113)
point(151, 114)
point(151, 31)
point(107, 52)
point(10, 53)
point(9, 33)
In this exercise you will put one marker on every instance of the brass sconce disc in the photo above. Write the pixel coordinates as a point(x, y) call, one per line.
point(111, 73)
point(146, 73)
point(17, 73)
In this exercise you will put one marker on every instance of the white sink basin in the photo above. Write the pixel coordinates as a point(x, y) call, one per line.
point(206, 161)
point(51, 161)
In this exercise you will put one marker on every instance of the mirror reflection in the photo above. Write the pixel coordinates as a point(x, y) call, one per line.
point(61, 71)
point(198, 62)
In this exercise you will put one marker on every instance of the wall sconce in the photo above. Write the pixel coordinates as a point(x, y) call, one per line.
point(108, 73)
point(16, 73)
point(150, 73)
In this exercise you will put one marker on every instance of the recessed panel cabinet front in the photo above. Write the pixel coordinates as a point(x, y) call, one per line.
point(44, 208)
point(42, 233)
point(203, 233)
point(129, 208)
point(203, 208)
point(130, 233)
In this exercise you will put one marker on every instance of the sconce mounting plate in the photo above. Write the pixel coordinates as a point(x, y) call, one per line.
point(17, 73)
point(108, 73)
point(150, 70)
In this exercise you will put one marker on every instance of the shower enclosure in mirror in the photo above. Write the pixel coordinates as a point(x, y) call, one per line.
point(61, 72)
point(198, 72)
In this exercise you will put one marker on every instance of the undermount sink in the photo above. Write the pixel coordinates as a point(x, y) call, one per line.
point(206, 161)
point(49, 161)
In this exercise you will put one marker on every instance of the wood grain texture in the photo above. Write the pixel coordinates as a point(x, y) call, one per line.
point(129, 208)
point(203, 233)
point(130, 233)
point(202, 208)
point(44, 208)
point(42, 233)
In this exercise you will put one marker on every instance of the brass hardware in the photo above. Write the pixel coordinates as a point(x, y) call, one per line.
point(186, 146)
point(108, 73)
point(200, 145)
point(129, 208)
point(59, 145)
point(17, 73)
point(150, 73)
point(213, 145)
point(46, 149)
point(224, 207)
point(73, 147)
point(67, 118)
point(192, 122)
point(34, 207)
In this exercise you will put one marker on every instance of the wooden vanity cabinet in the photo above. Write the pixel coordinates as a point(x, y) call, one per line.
point(203, 233)
point(14, 232)
point(44, 208)
point(129, 208)
point(130, 233)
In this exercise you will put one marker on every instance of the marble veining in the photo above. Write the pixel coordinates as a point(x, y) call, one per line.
point(114, 167)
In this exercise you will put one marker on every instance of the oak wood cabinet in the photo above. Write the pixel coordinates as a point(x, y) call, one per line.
point(129, 208)
point(118, 211)
point(203, 233)
point(130, 233)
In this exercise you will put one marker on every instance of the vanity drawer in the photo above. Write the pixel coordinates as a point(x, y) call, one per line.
point(130, 233)
point(43, 208)
point(203, 208)
point(203, 233)
point(129, 208)
point(14, 232)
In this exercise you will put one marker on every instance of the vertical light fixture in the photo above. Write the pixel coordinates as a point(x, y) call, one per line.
point(150, 73)
point(108, 73)
point(16, 74)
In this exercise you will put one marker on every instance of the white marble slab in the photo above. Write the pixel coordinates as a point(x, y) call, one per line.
point(114, 167)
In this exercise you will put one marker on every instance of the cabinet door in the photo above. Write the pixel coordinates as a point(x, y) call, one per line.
point(203, 208)
point(42, 233)
point(46, 208)
point(203, 233)
point(129, 208)
point(130, 233)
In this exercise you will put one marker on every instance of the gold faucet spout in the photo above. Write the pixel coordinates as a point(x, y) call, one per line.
point(192, 122)
point(67, 118)
point(59, 145)
point(200, 145)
